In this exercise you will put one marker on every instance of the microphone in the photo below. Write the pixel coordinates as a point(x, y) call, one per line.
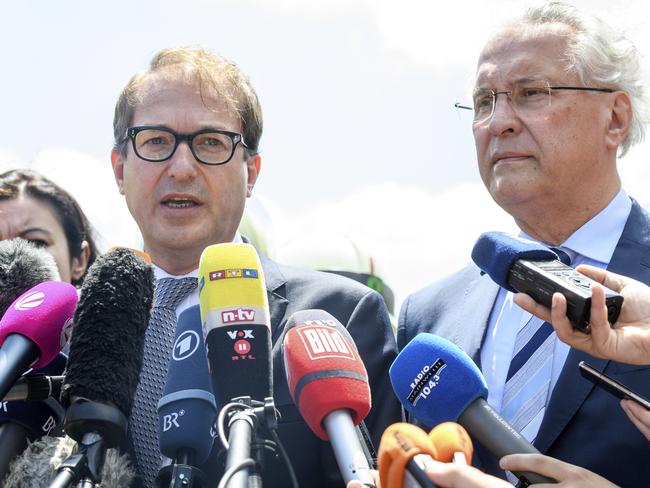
point(34, 329)
point(436, 382)
point(22, 266)
point(237, 329)
point(105, 359)
point(452, 443)
point(187, 408)
point(22, 421)
point(36, 467)
point(35, 387)
point(236, 322)
point(521, 265)
point(328, 383)
point(400, 446)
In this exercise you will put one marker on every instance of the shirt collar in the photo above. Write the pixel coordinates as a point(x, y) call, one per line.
point(160, 273)
point(598, 237)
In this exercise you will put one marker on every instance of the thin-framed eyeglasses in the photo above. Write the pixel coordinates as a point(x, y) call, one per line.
point(524, 97)
point(209, 146)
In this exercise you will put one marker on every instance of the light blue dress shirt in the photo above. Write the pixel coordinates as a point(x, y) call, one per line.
point(593, 244)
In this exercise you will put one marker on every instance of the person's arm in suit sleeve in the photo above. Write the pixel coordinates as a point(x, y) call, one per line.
point(371, 330)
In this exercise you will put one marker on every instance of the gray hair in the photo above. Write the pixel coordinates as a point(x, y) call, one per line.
point(598, 54)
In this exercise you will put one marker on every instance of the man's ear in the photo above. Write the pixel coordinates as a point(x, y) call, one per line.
point(117, 161)
point(620, 120)
point(253, 166)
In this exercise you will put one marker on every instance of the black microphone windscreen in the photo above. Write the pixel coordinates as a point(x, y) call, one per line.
point(37, 465)
point(22, 266)
point(107, 343)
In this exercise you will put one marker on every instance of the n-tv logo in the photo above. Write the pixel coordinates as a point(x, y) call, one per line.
point(238, 315)
point(325, 342)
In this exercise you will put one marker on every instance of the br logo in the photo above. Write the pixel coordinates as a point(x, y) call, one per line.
point(186, 344)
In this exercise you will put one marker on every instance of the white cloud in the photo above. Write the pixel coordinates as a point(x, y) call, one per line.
point(415, 237)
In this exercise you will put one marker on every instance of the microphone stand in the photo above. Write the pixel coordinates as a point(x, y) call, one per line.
point(96, 427)
point(246, 443)
point(182, 473)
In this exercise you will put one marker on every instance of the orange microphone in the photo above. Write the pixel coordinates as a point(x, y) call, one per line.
point(452, 443)
point(400, 444)
point(146, 258)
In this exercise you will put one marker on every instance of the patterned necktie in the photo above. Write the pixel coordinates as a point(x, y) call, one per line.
point(527, 387)
point(159, 338)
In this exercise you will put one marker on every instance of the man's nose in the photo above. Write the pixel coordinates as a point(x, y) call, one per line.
point(183, 164)
point(504, 118)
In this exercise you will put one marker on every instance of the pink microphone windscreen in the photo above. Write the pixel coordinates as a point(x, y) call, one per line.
point(44, 314)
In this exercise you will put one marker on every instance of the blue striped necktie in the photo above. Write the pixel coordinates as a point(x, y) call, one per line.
point(527, 387)
point(159, 339)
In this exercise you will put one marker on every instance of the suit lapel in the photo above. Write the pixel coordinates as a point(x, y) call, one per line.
point(469, 325)
point(276, 291)
point(630, 258)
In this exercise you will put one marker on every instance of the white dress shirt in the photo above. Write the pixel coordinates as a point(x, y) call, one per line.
point(192, 298)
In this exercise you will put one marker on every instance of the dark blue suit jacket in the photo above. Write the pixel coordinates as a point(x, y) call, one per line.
point(583, 425)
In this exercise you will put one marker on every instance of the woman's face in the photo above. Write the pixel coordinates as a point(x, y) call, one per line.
point(35, 221)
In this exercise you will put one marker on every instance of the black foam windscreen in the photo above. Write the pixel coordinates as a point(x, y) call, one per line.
point(107, 343)
point(22, 266)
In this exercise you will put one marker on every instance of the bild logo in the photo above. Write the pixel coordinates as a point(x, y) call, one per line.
point(185, 345)
point(30, 301)
point(324, 342)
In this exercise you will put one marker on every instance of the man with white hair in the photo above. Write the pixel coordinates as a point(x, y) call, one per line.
point(557, 98)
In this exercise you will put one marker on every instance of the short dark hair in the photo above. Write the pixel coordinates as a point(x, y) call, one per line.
point(75, 225)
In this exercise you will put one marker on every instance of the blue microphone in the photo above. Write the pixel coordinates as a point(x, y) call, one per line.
point(497, 252)
point(521, 265)
point(21, 421)
point(435, 381)
point(187, 409)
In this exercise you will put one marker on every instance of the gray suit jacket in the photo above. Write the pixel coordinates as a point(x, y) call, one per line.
point(583, 425)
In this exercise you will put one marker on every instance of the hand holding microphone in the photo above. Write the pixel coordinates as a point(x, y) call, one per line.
point(627, 340)
point(520, 265)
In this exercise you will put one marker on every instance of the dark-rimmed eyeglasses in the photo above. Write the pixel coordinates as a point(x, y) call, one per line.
point(524, 97)
point(209, 146)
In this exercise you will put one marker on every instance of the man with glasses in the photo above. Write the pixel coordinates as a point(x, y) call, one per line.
point(186, 157)
point(558, 96)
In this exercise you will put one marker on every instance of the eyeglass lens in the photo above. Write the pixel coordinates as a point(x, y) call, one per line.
point(208, 147)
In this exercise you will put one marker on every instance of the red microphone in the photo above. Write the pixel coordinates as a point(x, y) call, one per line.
point(329, 384)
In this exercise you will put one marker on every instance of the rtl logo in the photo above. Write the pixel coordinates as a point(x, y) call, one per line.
point(242, 346)
point(324, 342)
